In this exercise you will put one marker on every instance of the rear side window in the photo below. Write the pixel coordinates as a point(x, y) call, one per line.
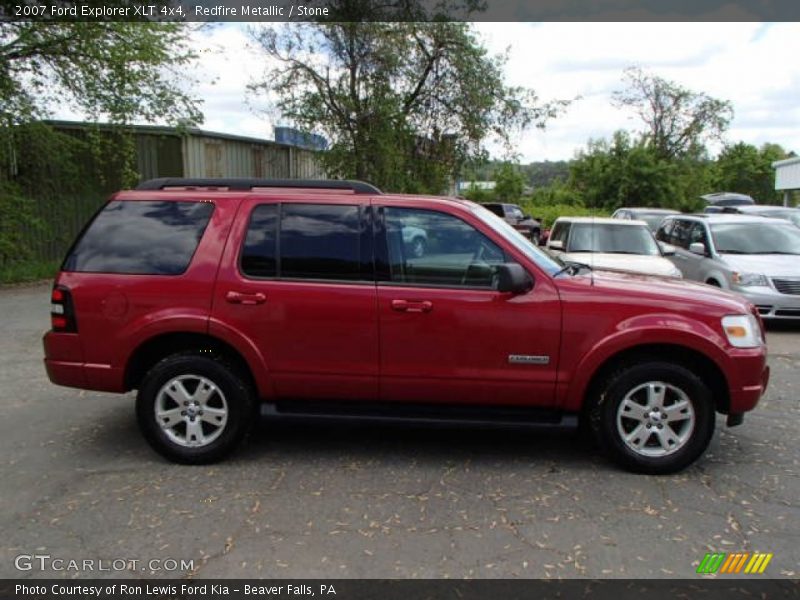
point(141, 238)
point(307, 241)
point(319, 241)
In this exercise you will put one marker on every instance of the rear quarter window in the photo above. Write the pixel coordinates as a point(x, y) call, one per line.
point(142, 238)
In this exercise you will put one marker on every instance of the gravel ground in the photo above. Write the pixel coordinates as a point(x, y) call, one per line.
point(298, 502)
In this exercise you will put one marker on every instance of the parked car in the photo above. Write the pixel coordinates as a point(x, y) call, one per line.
point(216, 298)
point(651, 216)
point(762, 210)
point(614, 244)
point(529, 227)
point(718, 200)
point(755, 256)
point(416, 240)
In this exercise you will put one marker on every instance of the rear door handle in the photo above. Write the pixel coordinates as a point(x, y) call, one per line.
point(245, 298)
point(421, 306)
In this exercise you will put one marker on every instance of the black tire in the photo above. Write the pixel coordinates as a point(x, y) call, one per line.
point(536, 237)
point(714, 283)
point(228, 394)
point(691, 418)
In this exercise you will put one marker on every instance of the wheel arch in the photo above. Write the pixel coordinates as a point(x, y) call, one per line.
point(689, 358)
point(158, 347)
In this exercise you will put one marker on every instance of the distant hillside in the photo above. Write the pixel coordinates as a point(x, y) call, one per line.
point(536, 174)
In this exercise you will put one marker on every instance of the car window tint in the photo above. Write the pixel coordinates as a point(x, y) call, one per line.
point(320, 241)
point(495, 208)
point(664, 231)
point(259, 254)
point(144, 238)
point(698, 234)
point(680, 234)
point(455, 254)
point(560, 232)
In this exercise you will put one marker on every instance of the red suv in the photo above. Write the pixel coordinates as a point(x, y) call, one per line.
point(219, 298)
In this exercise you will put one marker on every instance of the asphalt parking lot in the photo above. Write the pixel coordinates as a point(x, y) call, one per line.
point(78, 482)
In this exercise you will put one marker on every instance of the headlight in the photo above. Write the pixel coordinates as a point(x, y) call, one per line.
point(742, 331)
point(676, 273)
point(749, 279)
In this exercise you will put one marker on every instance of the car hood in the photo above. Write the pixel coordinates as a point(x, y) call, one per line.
point(639, 263)
point(767, 264)
point(664, 293)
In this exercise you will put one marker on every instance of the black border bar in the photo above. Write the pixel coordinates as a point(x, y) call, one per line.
point(385, 589)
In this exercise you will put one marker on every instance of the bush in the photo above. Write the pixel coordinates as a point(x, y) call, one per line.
point(547, 213)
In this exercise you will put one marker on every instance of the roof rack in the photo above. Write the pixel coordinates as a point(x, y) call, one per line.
point(359, 187)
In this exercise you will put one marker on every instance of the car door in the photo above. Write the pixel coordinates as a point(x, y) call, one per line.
point(686, 261)
point(446, 335)
point(297, 282)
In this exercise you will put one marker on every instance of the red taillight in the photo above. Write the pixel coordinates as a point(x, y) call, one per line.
point(62, 311)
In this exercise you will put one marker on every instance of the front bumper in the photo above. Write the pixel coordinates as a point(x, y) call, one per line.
point(771, 304)
point(748, 378)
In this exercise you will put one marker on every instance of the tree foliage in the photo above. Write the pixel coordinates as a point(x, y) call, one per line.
point(112, 70)
point(404, 104)
point(630, 172)
point(509, 183)
point(678, 120)
point(748, 170)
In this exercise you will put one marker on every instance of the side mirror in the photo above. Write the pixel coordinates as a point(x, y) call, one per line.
point(511, 277)
point(667, 249)
point(555, 245)
point(697, 248)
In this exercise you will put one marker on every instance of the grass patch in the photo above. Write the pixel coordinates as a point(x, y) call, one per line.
point(20, 272)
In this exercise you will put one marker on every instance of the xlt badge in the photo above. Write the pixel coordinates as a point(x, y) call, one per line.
point(525, 359)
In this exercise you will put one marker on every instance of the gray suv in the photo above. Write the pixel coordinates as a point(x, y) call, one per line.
point(755, 256)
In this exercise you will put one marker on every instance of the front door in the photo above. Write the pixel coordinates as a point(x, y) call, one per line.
point(445, 334)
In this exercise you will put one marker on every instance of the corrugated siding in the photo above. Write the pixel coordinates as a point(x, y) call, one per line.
point(215, 157)
point(158, 154)
point(787, 177)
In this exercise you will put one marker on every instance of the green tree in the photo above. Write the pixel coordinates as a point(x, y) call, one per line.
point(405, 104)
point(111, 70)
point(746, 169)
point(630, 172)
point(677, 120)
point(509, 183)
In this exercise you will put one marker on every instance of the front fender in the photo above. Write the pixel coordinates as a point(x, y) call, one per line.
point(644, 330)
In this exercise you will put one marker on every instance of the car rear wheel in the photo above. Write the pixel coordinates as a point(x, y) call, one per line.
point(654, 417)
point(193, 409)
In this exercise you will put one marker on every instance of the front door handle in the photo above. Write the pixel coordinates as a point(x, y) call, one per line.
point(245, 298)
point(421, 306)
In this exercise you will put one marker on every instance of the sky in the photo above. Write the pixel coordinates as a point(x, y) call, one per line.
point(752, 65)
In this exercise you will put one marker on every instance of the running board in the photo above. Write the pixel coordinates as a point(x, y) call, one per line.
point(422, 415)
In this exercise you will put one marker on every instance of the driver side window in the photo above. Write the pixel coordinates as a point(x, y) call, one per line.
point(427, 247)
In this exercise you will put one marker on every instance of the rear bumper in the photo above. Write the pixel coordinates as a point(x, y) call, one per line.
point(101, 378)
point(61, 350)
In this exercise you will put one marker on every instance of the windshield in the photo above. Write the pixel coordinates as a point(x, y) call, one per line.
point(653, 220)
point(755, 238)
point(790, 215)
point(612, 239)
point(523, 244)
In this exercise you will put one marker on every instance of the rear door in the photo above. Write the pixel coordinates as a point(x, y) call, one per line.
point(297, 281)
point(445, 334)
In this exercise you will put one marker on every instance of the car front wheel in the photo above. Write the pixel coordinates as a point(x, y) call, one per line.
point(655, 417)
point(193, 409)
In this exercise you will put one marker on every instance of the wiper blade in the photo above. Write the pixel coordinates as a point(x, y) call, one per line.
point(572, 267)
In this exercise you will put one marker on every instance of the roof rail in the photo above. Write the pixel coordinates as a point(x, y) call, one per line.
point(359, 187)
